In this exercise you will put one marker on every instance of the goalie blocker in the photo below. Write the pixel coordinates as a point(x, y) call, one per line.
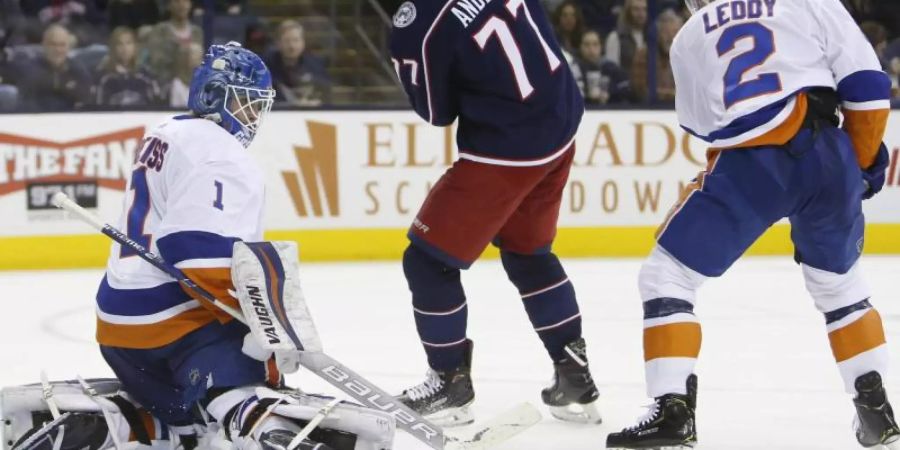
point(266, 278)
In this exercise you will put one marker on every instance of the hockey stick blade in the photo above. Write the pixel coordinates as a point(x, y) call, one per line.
point(500, 429)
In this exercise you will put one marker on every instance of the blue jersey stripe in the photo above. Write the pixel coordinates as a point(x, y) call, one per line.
point(185, 245)
point(865, 86)
point(139, 302)
point(746, 123)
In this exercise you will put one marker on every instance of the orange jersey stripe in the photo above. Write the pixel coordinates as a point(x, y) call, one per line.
point(711, 157)
point(674, 340)
point(858, 337)
point(153, 335)
point(216, 281)
point(866, 130)
point(784, 132)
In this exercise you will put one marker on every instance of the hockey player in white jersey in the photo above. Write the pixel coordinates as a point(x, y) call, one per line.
point(196, 199)
point(761, 82)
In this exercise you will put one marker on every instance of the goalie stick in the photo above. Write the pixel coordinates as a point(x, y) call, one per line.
point(499, 429)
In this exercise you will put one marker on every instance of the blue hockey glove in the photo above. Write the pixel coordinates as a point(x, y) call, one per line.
point(874, 176)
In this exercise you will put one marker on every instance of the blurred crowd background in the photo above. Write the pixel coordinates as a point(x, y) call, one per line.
point(63, 55)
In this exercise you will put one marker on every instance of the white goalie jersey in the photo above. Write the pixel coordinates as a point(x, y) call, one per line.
point(194, 191)
point(740, 68)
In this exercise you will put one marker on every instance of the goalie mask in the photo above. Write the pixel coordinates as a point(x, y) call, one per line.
point(232, 87)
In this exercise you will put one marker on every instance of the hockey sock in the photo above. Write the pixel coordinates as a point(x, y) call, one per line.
point(857, 341)
point(439, 304)
point(549, 299)
point(854, 327)
point(672, 339)
point(672, 334)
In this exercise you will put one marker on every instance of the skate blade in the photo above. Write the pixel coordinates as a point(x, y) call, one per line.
point(452, 417)
point(893, 445)
point(587, 414)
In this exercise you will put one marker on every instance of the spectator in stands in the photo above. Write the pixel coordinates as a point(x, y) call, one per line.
point(121, 82)
point(82, 17)
point(11, 20)
point(623, 43)
point(133, 13)
point(300, 79)
point(53, 82)
point(600, 15)
point(186, 59)
point(256, 38)
point(886, 12)
point(601, 81)
point(569, 24)
point(876, 33)
point(668, 23)
point(166, 39)
point(894, 72)
point(229, 7)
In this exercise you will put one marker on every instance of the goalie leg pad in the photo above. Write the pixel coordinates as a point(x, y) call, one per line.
point(85, 421)
point(250, 412)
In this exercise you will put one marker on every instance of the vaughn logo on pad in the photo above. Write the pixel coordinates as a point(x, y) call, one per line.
point(262, 315)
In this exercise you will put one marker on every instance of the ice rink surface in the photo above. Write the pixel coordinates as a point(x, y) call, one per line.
point(767, 378)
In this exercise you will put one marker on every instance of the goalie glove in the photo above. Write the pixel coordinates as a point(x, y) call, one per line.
point(266, 279)
point(874, 176)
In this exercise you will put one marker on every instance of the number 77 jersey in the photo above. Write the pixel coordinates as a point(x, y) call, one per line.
point(739, 66)
point(495, 65)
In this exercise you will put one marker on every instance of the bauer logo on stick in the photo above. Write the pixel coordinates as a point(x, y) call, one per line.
point(374, 399)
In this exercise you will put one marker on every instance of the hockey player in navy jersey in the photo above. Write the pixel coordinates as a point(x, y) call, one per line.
point(494, 68)
point(761, 82)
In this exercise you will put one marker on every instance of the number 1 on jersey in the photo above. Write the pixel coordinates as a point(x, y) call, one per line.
point(500, 28)
point(218, 201)
point(137, 214)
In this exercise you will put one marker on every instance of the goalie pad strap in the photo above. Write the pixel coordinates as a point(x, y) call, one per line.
point(133, 418)
point(256, 414)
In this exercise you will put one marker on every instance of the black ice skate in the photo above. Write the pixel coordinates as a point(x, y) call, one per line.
point(573, 396)
point(875, 424)
point(444, 397)
point(668, 425)
point(281, 440)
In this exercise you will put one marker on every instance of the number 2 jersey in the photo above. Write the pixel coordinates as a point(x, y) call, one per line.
point(495, 65)
point(741, 68)
point(194, 191)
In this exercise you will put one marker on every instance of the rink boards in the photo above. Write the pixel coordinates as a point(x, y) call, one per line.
point(347, 184)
